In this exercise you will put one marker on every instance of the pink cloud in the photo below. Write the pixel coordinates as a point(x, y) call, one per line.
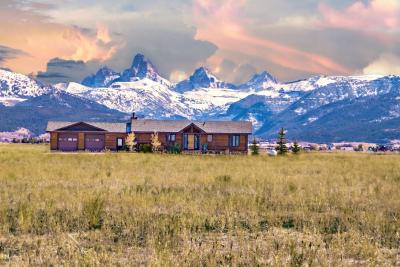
point(223, 25)
point(380, 17)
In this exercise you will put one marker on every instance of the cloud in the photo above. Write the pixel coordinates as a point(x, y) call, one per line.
point(87, 47)
point(60, 70)
point(223, 25)
point(7, 53)
point(178, 75)
point(109, 33)
point(378, 18)
point(44, 39)
point(386, 64)
point(232, 72)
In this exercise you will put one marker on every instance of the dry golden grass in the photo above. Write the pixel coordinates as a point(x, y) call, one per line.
point(173, 210)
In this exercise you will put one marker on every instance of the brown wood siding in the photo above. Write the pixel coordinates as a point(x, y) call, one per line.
point(220, 142)
point(81, 141)
point(143, 138)
point(53, 141)
point(111, 140)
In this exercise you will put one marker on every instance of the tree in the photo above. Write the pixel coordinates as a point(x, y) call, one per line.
point(130, 141)
point(254, 147)
point(281, 148)
point(155, 142)
point(296, 148)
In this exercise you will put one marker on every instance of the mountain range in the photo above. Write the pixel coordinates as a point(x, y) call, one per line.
point(319, 109)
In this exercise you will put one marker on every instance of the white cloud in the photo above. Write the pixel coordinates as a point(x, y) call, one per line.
point(297, 22)
point(386, 64)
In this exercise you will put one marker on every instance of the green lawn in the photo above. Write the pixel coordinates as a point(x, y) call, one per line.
point(315, 209)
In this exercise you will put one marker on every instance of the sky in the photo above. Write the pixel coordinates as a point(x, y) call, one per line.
point(66, 40)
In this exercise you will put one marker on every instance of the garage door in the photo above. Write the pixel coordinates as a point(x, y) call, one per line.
point(94, 142)
point(67, 142)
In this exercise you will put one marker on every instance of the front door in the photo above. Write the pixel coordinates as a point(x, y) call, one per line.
point(191, 142)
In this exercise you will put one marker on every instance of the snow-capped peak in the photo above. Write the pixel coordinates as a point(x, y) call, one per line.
point(142, 68)
point(263, 77)
point(103, 78)
point(15, 87)
point(202, 78)
point(261, 80)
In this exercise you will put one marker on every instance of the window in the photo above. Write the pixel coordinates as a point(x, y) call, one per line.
point(209, 138)
point(235, 140)
point(171, 137)
point(119, 142)
point(69, 139)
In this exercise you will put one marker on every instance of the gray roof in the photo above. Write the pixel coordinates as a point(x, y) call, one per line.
point(107, 126)
point(231, 127)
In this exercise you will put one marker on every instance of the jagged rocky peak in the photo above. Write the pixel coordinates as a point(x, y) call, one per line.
point(263, 77)
point(202, 78)
point(261, 80)
point(103, 78)
point(141, 68)
point(105, 71)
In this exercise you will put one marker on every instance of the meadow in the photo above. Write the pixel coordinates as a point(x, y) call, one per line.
point(121, 209)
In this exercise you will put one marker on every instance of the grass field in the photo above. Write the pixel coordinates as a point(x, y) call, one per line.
point(340, 209)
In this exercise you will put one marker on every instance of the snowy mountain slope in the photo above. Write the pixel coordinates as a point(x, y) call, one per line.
point(351, 109)
point(212, 101)
point(34, 113)
point(143, 96)
point(15, 87)
point(344, 89)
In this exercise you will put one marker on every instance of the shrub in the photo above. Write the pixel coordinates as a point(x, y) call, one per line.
point(93, 212)
point(175, 149)
point(145, 148)
point(223, 179)
point(288, 223)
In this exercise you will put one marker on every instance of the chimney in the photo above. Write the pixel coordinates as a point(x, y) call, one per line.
point(133, 117)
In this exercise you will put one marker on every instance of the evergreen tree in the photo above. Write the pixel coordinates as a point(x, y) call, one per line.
point(254, 147)
point(296, 148)
point(281, 148)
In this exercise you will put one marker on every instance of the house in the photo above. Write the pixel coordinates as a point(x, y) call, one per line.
point(210, 136)
point(91, 136)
